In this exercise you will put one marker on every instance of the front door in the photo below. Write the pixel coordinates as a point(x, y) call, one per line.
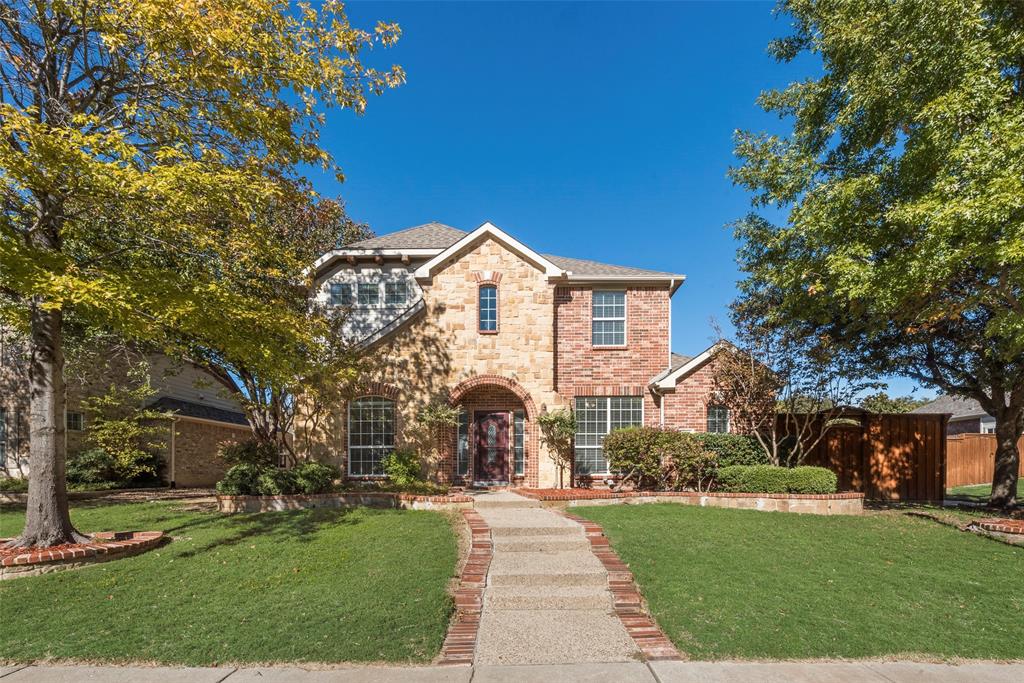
point(491, 447)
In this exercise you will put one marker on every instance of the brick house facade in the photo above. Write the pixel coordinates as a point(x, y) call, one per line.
point(484, 323)
point(202, 418)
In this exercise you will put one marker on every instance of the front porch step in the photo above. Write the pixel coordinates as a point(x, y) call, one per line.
point(488, 503)
point(547, 597)
point(571, 568)
point(561, 531)
point(598, 579)
point(541, 543)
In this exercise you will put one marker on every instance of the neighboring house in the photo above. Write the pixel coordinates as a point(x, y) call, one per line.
point(203, 417)
point(481, 321)
point(968, 417)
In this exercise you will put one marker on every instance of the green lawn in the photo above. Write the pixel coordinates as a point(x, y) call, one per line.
point(979, 493)
point(748, 584)
point(306, 586)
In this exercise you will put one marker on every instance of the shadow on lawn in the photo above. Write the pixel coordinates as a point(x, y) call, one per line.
point(293, 525)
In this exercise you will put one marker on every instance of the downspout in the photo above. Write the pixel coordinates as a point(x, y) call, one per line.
point(174, 423)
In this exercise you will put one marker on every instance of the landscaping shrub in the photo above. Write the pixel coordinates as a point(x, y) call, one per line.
point(772, 479)
point(240, 480)
point(273, 481)
point(695, 468)
point(733, 449)
point(91, 467)
point(636, 453)
point(13, 485)
point(403, 467)
point(249, 452)
point(812, 480)
point(315, 477)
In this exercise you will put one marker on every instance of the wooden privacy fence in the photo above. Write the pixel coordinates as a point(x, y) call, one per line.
point(971, 459)
point(900, 456)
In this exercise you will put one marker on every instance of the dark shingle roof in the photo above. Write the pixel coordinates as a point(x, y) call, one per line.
point(198, 410)
point(679, 360)
point(587, 268)
point(958, 406)
point(436, 235)
point(431, 235)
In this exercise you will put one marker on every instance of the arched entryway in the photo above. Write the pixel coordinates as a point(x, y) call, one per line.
point(496, 442)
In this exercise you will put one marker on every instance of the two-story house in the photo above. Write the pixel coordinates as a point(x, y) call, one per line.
point(486, 323)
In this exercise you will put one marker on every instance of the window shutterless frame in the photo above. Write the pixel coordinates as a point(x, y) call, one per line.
point(487, 309)
point(596, 417)
point(371, 435)
point(608, 318)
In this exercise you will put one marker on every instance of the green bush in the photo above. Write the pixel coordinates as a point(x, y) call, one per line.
point(315, 477)
point(241, 480)
point(91, 467)
point(659, 458)
point(403, 467)
point(812, 480)
point(273, 481)
point(733, 449)
point(772, 479)
point(249, 452)
point(13, 485)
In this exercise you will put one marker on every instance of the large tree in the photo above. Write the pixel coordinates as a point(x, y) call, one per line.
point(138, 138)
point(903, 179)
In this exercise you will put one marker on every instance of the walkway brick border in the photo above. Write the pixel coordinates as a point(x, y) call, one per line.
point(460, 642)
point(106, 545)
point(1003, 526)
point(652, 641)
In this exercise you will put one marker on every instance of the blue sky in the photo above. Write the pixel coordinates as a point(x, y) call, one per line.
point(592, 130)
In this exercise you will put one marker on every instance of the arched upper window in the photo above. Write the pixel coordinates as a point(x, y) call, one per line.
point(371, 435)
point(488, 308)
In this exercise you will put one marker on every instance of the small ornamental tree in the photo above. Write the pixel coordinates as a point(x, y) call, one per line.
point(558, 432)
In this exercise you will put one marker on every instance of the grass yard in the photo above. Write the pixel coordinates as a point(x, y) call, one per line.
point(748, 584)
point(979, 493)
point(305, 586)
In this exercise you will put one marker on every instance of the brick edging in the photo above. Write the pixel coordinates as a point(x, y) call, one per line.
point(106, 543)
point(628, 605)
point(1000, 525)
point(460, 642)
point(594, 494)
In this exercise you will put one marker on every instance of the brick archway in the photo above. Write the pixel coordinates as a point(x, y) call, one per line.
point(464, 387)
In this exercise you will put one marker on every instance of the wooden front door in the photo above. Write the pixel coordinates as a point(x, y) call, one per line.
point(491, 447)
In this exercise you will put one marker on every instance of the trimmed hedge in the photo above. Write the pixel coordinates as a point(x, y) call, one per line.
point(733, 449)
point(248, 479)
point(772, 479)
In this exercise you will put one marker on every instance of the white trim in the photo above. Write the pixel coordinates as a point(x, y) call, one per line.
point(675, 281)
point(669, 380)
point(426, 271)
point(348, 435)
point(608, 428)
point(330, 256)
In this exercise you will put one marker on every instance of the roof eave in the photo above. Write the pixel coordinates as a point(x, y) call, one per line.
point(674, 281)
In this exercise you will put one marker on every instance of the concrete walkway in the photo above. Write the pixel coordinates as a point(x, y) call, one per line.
point(547, 599)
point(634, 672)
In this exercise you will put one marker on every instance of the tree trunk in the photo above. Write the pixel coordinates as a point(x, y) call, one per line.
point(1009, 425)
point(47, 521)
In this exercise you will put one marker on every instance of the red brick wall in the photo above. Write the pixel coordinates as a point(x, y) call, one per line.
point(584, 370)
point(686, 408)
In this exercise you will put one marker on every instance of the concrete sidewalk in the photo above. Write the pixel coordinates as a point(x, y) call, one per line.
point(613, 672)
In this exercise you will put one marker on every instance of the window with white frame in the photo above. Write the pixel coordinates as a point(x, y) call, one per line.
point(368, 293)
point(609, 318)
point(718, 419)
point(75, 421)
point(371, 435)
point(596, 417)
point(341, 294)
point(462, 464)
point(988, 425)
point(488, 308)
point(519, 441)
point(395, 293)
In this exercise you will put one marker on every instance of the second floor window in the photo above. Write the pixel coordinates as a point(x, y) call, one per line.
point(368, 293)
point(395, 293)
point(609, 318)
point(488, 308)
point(718, 419)
point(341, 294)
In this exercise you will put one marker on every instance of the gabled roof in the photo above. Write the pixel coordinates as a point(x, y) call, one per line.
point(682, 366)
point(431, 235)
point(488, 229)
point(439, 242)
point(957, 406)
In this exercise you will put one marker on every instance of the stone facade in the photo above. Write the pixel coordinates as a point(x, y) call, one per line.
point(539, 358)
